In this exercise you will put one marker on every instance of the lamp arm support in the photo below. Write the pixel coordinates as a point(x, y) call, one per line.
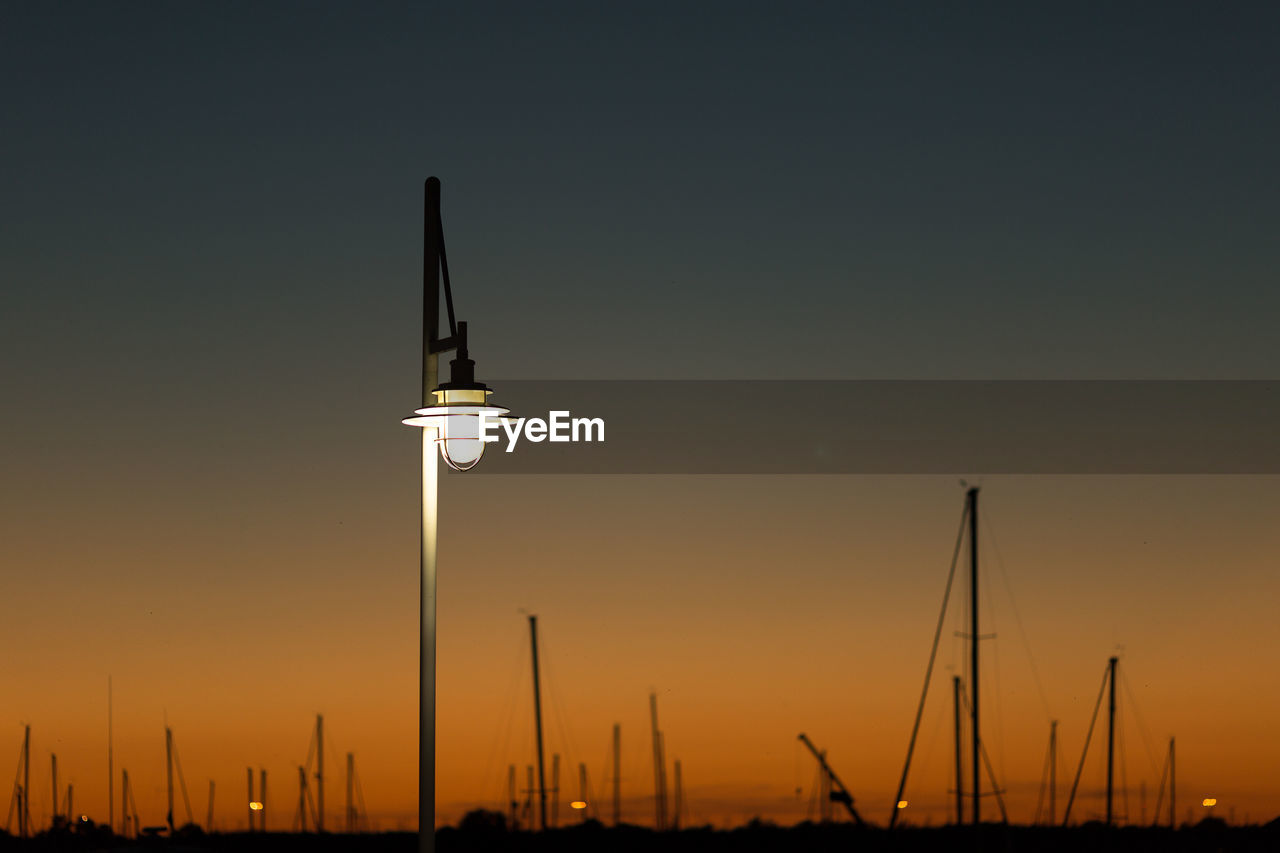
point(435, 266)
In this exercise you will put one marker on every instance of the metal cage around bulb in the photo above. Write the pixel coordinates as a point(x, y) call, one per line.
point(456, 420)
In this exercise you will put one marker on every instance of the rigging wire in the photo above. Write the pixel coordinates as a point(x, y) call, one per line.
point(986, 760)
point(502, 738)
point(1142, 724)
point(569, 746)
point(1044, 783)
point(995, 652)
point(1017, 617)
point(1066, 815)
point(1124, 764)
point(928, 673)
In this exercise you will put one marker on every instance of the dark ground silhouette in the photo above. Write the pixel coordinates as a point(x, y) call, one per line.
point(478, 833)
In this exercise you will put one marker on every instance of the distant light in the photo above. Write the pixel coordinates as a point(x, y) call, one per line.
point(1209, 802)
point(578, 804)
point(902, 804)
point(257, 807)
point(84, 818)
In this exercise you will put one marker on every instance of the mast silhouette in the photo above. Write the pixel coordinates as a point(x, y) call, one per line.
point(555, 789)
point(928, 676)
point(973, 652)
point(659, 769)
point(168, 763)
point(511, 795)
point(839, 793)
point(1111, 737)
point(617, 773)
point(111, 772)
point(319, 773)
point(537, 719)
point(956, 699)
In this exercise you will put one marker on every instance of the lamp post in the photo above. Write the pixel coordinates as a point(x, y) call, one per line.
point(450, 420)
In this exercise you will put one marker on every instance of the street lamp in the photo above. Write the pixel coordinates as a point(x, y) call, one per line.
point(450, 419)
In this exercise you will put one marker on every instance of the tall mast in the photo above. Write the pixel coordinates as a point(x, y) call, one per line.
point(71, 809)
point(351, 807)
point(248, 771)
point(1111, 736)
point(617, 773)
point(659, 794)
point(555, 790)
point(1053, 767)
point(208, 824)
point(168, 762)
point(262, 798)
point(955, 694)
point(537, 720)
point(111, 770)
point(582, 789)
point(26, 781)
point(511, 794)
point(124, 803)
point(973, 650)
point(319, 773)
point(528, 794)
point(1173, 785)
point(302, 798)
point(54, 770)
point(679, 795)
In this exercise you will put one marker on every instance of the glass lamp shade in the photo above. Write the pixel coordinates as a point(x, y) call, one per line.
point(456, 420)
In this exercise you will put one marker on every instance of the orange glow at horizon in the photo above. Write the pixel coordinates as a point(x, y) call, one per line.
point(756, 608)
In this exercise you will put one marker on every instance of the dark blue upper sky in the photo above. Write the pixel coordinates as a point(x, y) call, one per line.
point(219, 204)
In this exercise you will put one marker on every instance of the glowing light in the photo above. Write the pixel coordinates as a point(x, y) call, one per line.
point(578, 804)
point(902, 804)
point(1209, 802)
point(257, 807)
point(457, 428)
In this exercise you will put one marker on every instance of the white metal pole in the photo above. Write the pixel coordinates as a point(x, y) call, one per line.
point(427, 668)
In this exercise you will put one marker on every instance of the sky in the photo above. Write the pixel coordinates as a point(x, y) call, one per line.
point(209, 329)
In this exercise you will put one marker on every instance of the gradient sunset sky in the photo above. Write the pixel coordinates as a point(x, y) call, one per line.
point(210, 327)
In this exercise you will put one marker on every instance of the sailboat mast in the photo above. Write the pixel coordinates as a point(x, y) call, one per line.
point(111, 770)
point(617, 773)
point(537, 719)
point(511, 794)
point(351, 808)
point(26, 782)
point(319, 773)
point(973, 651)
point(1053, 767)
point(955, 693)
point(659, 795)
point(555, 790)
point(1111, 736)
point(168, 763)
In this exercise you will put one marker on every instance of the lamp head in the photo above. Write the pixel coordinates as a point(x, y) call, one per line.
point(457, 410)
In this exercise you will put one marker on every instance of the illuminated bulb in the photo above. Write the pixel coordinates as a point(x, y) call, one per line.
point(1209, 802)
point(456, 411)
point(578, 804)
point(902, 804)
